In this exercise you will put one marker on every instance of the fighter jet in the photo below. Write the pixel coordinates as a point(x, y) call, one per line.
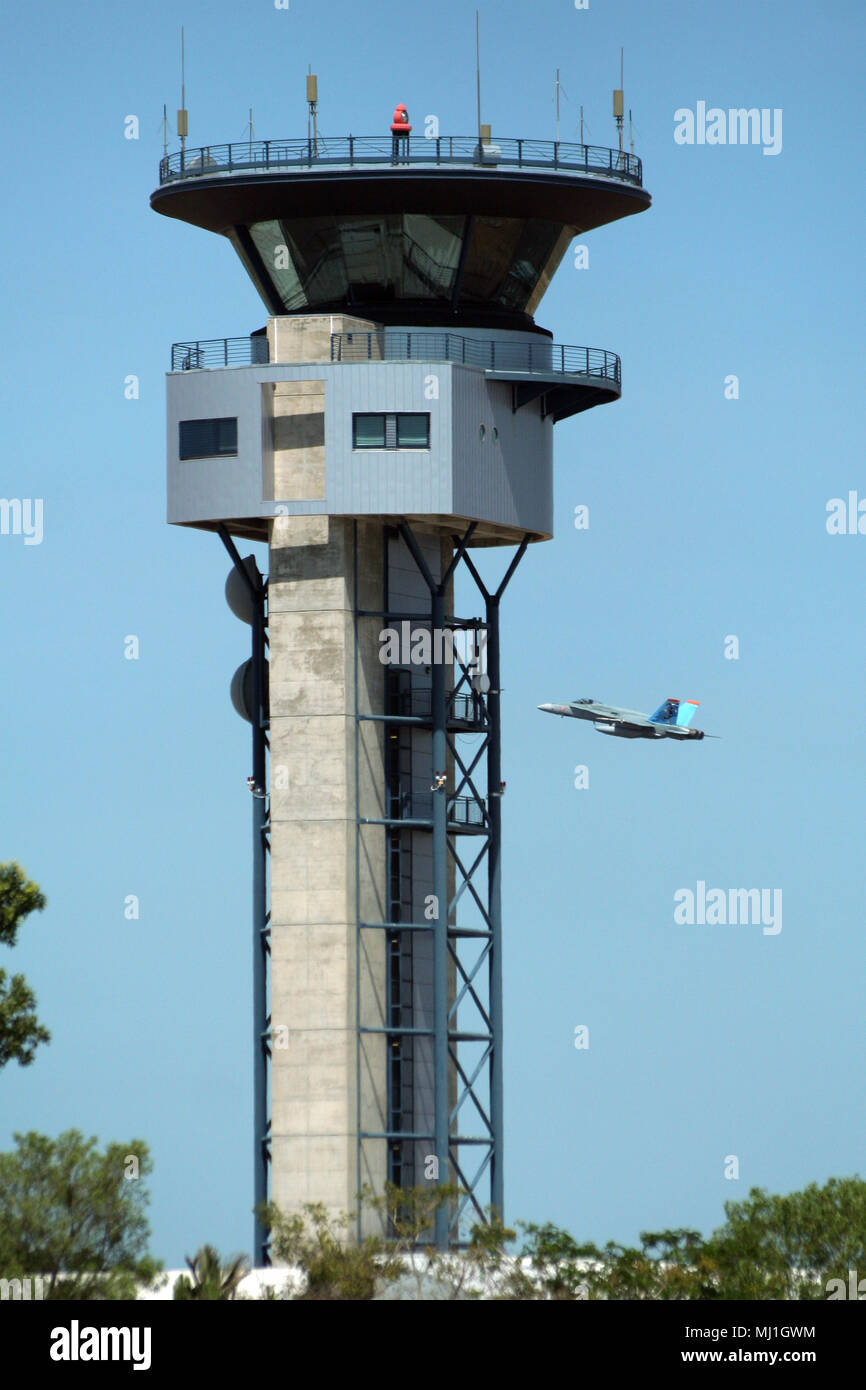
point(671, 720)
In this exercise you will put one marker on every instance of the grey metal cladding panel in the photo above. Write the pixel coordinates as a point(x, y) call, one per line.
point(211, 488)
point(396, 482)
point(358, 482)
point(508, 480)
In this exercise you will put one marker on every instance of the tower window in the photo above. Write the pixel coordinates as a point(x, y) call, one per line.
point(413, 431)
point(370, 431)
point(203, 439)
point(400, 430)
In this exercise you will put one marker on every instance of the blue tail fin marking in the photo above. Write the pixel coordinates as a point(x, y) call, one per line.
point(666, 713)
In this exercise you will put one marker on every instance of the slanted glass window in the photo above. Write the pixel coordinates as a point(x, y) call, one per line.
point(204, 439)
point(413, 431)
point(369, 431)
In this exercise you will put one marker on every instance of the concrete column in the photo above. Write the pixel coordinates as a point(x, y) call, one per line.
point(314, 1097)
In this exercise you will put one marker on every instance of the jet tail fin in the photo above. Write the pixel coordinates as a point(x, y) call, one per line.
point(679, 712)
point(686, 712)
point(666, 713)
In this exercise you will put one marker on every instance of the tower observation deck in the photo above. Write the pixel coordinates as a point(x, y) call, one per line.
point(395, 412)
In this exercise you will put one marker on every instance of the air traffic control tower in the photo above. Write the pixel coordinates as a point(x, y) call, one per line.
point(395, 414)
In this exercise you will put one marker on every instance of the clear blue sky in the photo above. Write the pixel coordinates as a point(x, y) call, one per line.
point(707, 518)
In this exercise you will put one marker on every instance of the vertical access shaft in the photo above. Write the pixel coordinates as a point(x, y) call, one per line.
point(261, 1044)
point(494, 901)
point(440, 936)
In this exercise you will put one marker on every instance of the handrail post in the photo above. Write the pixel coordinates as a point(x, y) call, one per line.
point(351, 150)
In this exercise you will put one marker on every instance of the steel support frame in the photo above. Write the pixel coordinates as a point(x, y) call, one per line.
point(486, 1104)
point(258, 591)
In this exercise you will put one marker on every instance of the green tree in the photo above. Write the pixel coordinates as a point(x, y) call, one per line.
point(480, 1269)
point(72, 1215)
point(789, 1247)
point(770, 1247)
point(555, 1265)
point(20, 1032)
point(334, 1267)
point(408, 1215)
point(211, 1279)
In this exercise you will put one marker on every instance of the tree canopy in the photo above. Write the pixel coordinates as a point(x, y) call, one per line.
point(76, 1215)
point(769, 1247)
point(20, 1031)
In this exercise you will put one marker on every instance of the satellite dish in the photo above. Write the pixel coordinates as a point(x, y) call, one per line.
point(242, 689)
point(481, 684)
point(238, 596)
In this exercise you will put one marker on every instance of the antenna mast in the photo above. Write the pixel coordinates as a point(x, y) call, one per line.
point(557, 88)
point(478, 72)
point(183, 114)
point(312, 113)
point(618, 101)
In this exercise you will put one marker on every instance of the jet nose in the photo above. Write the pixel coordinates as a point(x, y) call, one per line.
point(551, 709)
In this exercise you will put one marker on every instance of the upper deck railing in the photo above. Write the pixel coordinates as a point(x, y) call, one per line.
point(542, 358)
point(363, 151)
point(220, 352)
point(494, 355)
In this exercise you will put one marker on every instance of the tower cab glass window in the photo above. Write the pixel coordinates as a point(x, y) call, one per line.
point(391, 431)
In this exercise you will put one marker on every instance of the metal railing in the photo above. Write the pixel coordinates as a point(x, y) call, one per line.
point(385, 345)
point(358, 150)
point(462, 707)
point(462, 810)
point(493, 355)
point(220, 352)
